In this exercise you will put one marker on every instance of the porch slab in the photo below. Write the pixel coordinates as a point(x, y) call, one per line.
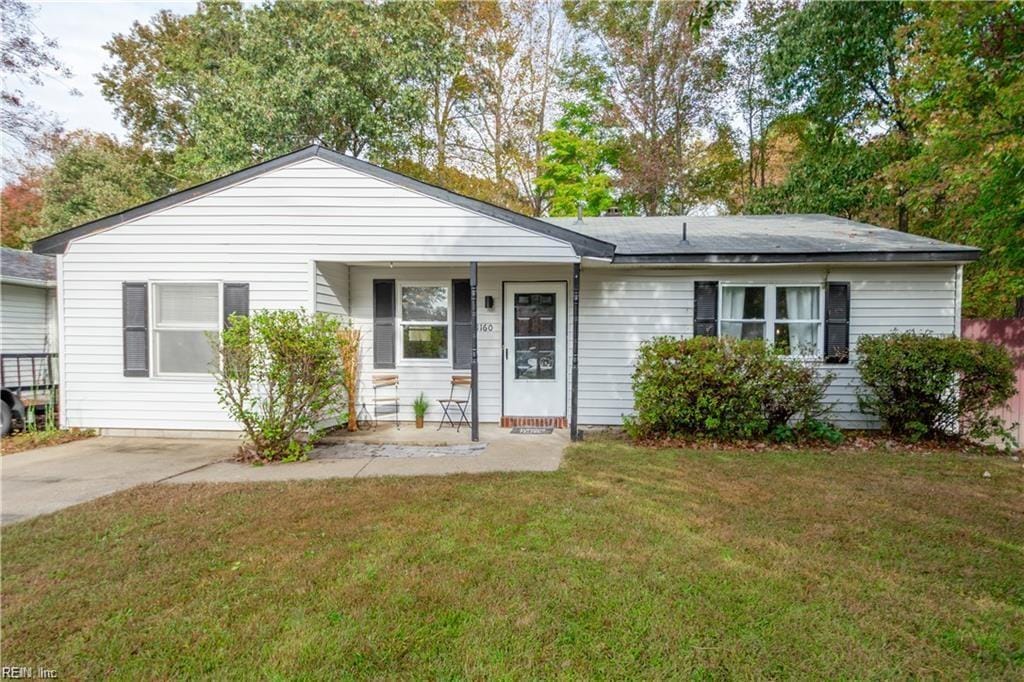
point(502, 451)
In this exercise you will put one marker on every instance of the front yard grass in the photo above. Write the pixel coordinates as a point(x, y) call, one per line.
point(626, 563)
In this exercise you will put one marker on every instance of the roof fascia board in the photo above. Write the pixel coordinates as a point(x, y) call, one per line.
point(951, 256)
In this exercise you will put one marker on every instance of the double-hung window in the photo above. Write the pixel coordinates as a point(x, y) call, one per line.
point(798, 320)
point(184, 315)
point(787, 316)
point(424, 321)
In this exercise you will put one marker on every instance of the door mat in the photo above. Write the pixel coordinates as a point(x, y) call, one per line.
point(533, 430)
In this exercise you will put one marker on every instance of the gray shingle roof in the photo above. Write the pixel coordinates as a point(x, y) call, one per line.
point(27, 266)
point(768, 238)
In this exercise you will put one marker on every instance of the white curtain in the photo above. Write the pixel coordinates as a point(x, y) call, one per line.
point(801, 303)
point(732, 302)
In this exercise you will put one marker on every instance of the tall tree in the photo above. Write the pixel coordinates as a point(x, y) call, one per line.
point(513, 58)
point(838, 64)
point(93, 175)
point(964, 84)
point(660, 73)
point(749, 43)
point(21, 206)
point(26, 56)
point(230, 85)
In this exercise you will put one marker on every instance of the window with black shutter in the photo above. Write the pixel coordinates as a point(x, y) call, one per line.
point(462, 324)
point(705, 308)
point(236, 300)
point(837, 323)
point(383, 324)
point(135, 323)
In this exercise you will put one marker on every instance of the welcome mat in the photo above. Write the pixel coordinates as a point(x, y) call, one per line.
point(533, 430)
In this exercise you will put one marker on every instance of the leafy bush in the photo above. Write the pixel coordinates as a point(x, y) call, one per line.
point(721, 388)
point(926, 386)
point(277, 377)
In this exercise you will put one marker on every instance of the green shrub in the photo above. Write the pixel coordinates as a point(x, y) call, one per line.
point(278, 375)
point(927, 386)
point(721, 388)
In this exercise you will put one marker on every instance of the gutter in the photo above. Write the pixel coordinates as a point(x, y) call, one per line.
point(24, 282)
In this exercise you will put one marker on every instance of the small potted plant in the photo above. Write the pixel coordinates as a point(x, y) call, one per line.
point(419, 406)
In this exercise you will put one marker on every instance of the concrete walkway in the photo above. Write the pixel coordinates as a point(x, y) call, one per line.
point(46, 480)
point(503, 451)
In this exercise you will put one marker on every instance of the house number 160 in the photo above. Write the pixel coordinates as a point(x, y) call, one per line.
point(485, 327)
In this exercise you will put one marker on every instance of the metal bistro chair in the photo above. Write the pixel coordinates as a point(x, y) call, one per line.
point(465, 385)
point(383, 398)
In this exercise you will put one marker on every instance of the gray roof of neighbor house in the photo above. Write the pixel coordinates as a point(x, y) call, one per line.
point(760, 239)
point(25, 267)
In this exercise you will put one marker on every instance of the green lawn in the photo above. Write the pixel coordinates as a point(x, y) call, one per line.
point(626, 563)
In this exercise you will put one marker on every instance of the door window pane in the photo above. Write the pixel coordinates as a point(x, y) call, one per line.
point(183, 352)
point(425, 342)
point(535, 315)
point(535, 358)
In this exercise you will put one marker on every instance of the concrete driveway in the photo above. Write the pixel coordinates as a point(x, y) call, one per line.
point(45, 480)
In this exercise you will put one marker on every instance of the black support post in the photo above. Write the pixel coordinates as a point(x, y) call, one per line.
point(474, 373)
point(574, 427)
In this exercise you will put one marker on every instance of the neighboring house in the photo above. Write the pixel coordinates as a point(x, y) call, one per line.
point(322, 231)
point(28, 302)
point(28, 331)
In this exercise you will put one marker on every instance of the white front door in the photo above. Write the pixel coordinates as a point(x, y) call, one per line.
point(533, 349)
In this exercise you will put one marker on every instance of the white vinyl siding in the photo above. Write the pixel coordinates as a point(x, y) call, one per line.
point(27, 319)
point(267, 232)
point(620, 308)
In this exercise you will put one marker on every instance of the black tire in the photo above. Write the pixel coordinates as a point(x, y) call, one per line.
point(8, 423)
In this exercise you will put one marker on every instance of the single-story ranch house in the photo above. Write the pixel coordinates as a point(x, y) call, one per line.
point(551, 310)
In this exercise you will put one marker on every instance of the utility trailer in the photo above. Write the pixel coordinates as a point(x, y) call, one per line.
point(28, 389)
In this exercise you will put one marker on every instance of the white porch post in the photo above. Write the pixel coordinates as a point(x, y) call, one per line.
point(474, 373)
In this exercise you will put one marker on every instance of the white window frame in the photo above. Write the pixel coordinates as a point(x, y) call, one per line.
point(770, 319)
point(154, 349)
point(401, 323)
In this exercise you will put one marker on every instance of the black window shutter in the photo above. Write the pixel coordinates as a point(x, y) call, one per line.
point(462, 325)
point(236, 300)
point(705, 308)
point(135, 314)
point(383, 324)
point(837, 323)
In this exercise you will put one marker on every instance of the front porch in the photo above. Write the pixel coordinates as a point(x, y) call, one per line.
point(510, 328)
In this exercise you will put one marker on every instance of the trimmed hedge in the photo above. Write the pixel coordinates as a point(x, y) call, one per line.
point(724, 388)
point(922, 386)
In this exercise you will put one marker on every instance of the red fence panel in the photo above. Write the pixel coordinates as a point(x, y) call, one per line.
point(1010, 335)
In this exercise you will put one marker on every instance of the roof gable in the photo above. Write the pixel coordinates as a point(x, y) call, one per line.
point(583, 245)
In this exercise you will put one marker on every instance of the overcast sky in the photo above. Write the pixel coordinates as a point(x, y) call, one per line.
point(82, 28)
